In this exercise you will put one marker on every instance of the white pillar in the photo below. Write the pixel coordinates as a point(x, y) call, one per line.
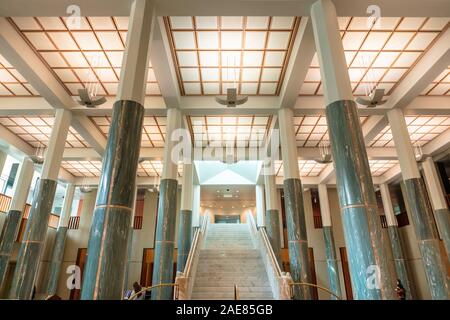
point(260, 211)
point(433, 182)
point(270, 192)
point(196, 208)
point(67, 206)
point(22, 185)
point(324, 205)
point(170, 168)
point(288, 144)
point(387, 205)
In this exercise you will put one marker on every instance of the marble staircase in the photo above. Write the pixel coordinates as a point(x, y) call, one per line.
point(230, 258)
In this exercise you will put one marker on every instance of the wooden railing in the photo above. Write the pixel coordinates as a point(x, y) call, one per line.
point(318, 222)
point(383, 221)
point(5, 201)
point(74, 222)
point(137, 224)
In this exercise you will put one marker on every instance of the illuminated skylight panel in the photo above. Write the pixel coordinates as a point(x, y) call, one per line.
point(83, 168)
point(12, 83)
point(216, 53)
point(82, 52)
point(380, 167)
point(307, 168)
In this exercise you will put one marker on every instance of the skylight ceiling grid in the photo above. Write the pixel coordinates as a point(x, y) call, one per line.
point(12, 83)
point(85, 54)
point(307, 168)
point(36, 131)
point(379, 167)
point(440, 85)
point(422, 129)
point(214, 53)
point(231, 131)
point(310, 131)
point(154, 168)
point(83, 168)
point(153, 133)
point(379, 55)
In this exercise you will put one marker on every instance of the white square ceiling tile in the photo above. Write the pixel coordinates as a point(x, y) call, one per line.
point(211, 88)
point(187, 58)
point(73, 87)
point(206, 22)
point(111, 88)
point(375, 40)
point(267, 88)
point(271, 74)
point(421, 41)
point(123, 35)
point(54, 59)
point(257, 22)
point(102, 23)
point(226, 85)
point(86, 40)
point(192, 88)
point(230, 74)
point(385, 59)
point(115, 57)
point(97, 59)
point(398, 40)
point(39, 40)
point(231, 58)
point(364, 59)
point(184, 40)
point(349, 56)
point(31, 89)
point(394, 75)
point(386, 23)
point(373, 75)
point(51, 23)
point(434, 24)
point(63, 40)
point(151, 75)
point(110, 40)
point(75, 59)
point(249, 88)
point(231, 22)
point(181, 23)
point(121, 22)
point(152, 89)
point(209, 58)
point(360, 23)
point(313, 75)
point(356, 74)
point(17, 89)
point(274, 58)
point(190, 74)
point(406, 59)
point(252, 58)
point(85, 75)
point(76, 23)
point(282, 23)
point(411, 23)
point(66, 75)
point(208, 40)
point(386, 86)
point(210, 74)
point(440, 89)
point(308, 88)
point(343, 22)
point(231, 40)
point(255, 39)
point(106, 75)
point(278, 40)
point(250, 74)
point(353, 40)
point(26, 23)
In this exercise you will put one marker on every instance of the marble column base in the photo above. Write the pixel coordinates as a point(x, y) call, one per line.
point(273, 231)
point(399, 260)
point(33, 241)
point(184, 238)
point(442, 217)
point(427, 236)
point(165, 239)
point(298, 243)
point(56, 261)
point(332, 262)
point(104, 272)
point(7, 238)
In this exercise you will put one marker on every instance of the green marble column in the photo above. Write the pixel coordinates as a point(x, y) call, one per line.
point(165, 239)
point(273, 232)
point(184, 238)
point(104, 272)
point(14, 215)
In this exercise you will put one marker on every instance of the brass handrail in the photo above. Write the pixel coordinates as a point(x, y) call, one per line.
point(156, 286)
point(236, 293)
point(312, 285)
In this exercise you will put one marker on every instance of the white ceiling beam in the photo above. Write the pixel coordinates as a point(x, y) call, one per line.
point(90, 133)
point(299, 62)
point(438, 145)
point(389, 8)
point(13, 145)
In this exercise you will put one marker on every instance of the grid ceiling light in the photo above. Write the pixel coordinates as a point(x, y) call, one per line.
point(231, 131)
point(80, 54)
point(308, 168)
point(310, 131)
point(12, 83)
point(153, 133)
point(422, 129)
point(215, 53)
point(379, 167)
point(381, 55)
point(439, 86)
point(36, 131)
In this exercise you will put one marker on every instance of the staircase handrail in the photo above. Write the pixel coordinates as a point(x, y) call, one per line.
point(279, 280)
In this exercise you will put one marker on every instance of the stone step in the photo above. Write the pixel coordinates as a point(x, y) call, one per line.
point(230, 296)
point(242, 282)
point(229, 288)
